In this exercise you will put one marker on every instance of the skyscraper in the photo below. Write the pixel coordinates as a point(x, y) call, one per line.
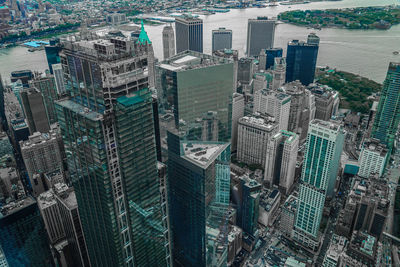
point(199, 184)
point(59, 78)
point(195, 92)
point(168, 41)
point(108, 133)
point(280, 163)
point(321, 163)
point(237, 113)
point(35, 112)
point(52, 53)
point(267, 57)
point(221, 39)
point(301, 60)
point(388, 115)
point(260, 35)
point(279, 72)
point(373, 158)
point(189, 34)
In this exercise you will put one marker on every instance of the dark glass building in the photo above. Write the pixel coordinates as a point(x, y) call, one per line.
point(23, 237)
point(189, 34)
point(24, 75)
point(271, 54)
point(52, 53)
point(301, 60)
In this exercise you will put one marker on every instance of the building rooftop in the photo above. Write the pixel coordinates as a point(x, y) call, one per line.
point(202, 153)
point(374, 145)
point(288, 136)
point(82, 110)
point(16, 205)
point(66, 195)
point(330, 125)
point(192, 60)
point(291, 203)
point(46, 199)
point(267, 124)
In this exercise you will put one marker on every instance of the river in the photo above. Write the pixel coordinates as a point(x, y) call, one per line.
point(365, 52)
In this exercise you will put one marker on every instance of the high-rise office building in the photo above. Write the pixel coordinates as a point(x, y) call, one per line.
point(59, 78)
point(35, 112)
point(221, 39)
point(373, 157)
point(326, 101)
point(41, 154)
point(199, 184)
point(262, 80)
point(189, 34)
point(22, 234)
point(108, 133)
point(46, 84)
point(260, 35)
point(52, 53)
point(237, 113)
point(387, 117)
point(279, 72)
point(195, 92)
point(321, 164)
point(301, 60)
point(274, 104)
point(245, 70)
point(281, 157)
point(249, 191)
point(254, 134)
point(168, 41)
point(267, 57)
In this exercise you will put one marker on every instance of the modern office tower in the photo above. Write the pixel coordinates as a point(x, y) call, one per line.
point(388, 115)
point(262, 80)
point(46, 84)
point(234, 56)
point(267, 57)
point(59, 78)
point(52, 53)
point(194, 86)
point(22, 234)
point(168, 41)
point(279, 72)
point(373, 157)
point(24, 75)
point(245, 70)
point(156, 126)
point(254, 134)
point(326, 101)
point(288, 215)
point(249, 191)
point(274, 104)
point(41, 154)
point(111, 119)
point(199, 184)
point(221, 39)
point(280, 163)
point(301, 60)
point(51, 216)
point(3, 119)
point(17, 126)
point(237, 113)
point(313, 39)
point(189, 34)
point(260, 35)
point(321, 164)
point(35, 112)
point(75, 253)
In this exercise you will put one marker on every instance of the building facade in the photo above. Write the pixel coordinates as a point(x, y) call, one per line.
point(35, 112)
point(321, 163)
point(221, 39)
point(237, 113)
point(168, 41)
point(373, 158)
point(260, 35)
point(189, 34)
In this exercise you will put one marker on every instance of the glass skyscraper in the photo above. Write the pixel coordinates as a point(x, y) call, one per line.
point(108, 133)
point(388, 114)
point(321, 163)
point(195, 116)
point(301, 60)
point(189, 34)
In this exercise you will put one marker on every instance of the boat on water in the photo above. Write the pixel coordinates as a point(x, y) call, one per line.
point(396, 53)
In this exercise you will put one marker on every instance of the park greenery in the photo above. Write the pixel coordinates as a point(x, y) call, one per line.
point(350, 18)
point(354, 90)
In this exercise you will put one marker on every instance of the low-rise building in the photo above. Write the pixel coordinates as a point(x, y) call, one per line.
point(269, 204)
point(373, 158)
point(288, 215)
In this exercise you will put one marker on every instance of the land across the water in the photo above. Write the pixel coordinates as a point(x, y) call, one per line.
point(349, 18)
point(356, 92)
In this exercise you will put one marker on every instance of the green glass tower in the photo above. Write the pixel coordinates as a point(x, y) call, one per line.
point(108, 133)
point(321, 163)
point(388, 113)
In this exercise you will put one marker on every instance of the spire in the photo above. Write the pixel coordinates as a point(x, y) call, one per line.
point(143, 38)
